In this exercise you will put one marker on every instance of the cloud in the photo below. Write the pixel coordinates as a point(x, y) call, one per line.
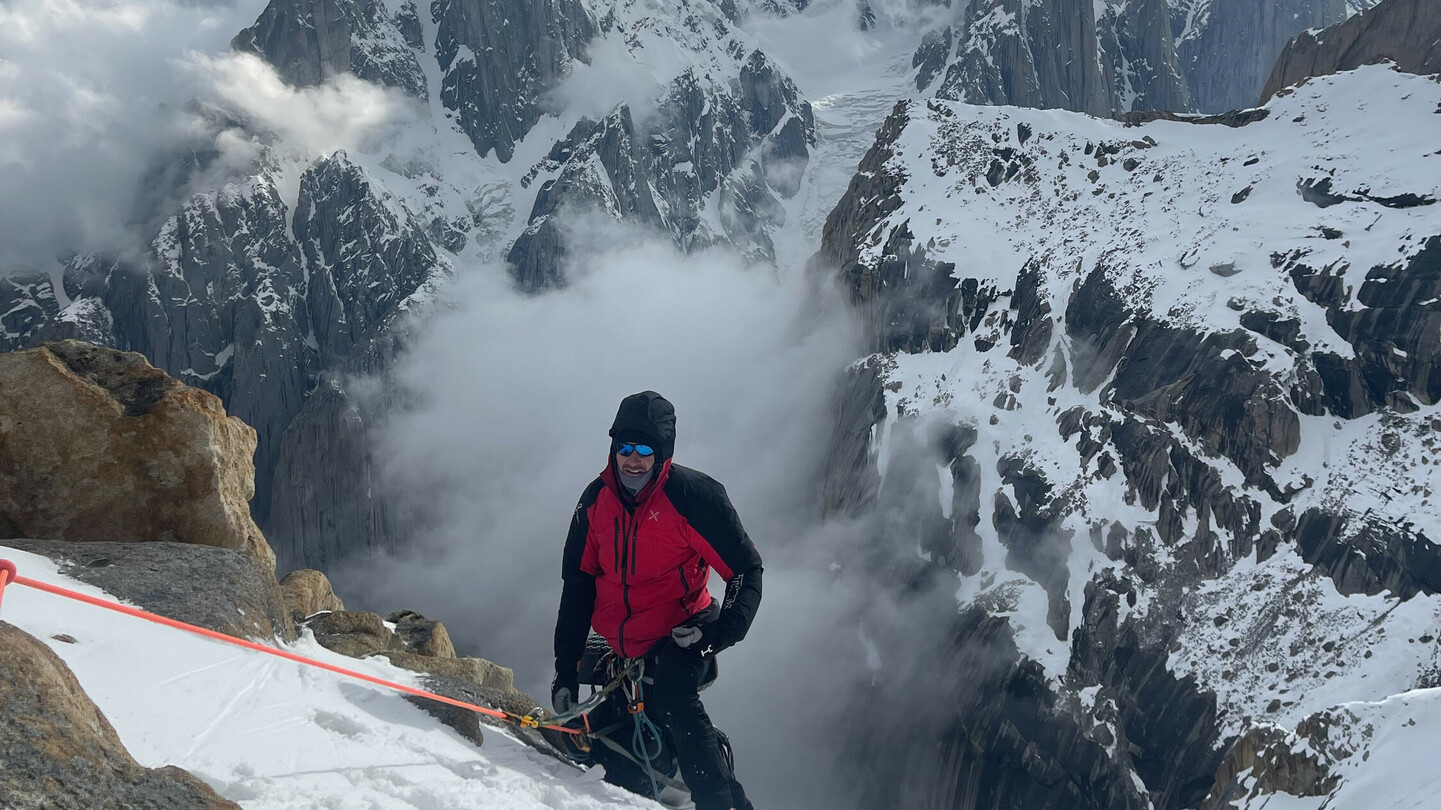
point(610, 76)
point(100, 99)
point(509, 399)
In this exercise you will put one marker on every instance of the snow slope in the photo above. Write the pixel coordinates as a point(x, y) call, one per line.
point(270, 734)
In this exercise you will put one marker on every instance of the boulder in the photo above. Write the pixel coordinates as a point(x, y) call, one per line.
point(97, 444)
point(354, 633)
point(475, 670)
point(60, 752)
point(308, 592)
point(225, 590)
point(422, 636)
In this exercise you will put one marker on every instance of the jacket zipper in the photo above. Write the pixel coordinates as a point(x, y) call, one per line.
point(624, 593)
point(684, 585)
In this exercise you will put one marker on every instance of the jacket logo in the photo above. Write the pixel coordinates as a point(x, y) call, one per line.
point(654, 515)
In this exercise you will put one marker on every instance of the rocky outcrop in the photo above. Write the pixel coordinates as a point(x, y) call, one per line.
point(354, 633)
point(100, 445)
point(309, 41)
point(1031, 54)
point(497, 59)
point(1406, 33)
point(219, 589)
point(1138, 55)
point(733, 146)
point(410, 641)
point(308, 592)
point(62, 754)
point(422, 636)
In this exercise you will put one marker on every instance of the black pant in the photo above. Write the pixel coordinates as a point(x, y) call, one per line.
point(672, 701)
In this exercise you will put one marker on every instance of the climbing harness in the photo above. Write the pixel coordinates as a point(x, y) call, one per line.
point(645, 729)
point(533, 720)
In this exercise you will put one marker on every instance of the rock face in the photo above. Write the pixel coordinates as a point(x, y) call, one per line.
point(1117, 56)
point(218, 589)
point(310, 41)
point(737, 141)
point(1028, 54)
point(1404, 32)
point(1231, 46)
point(100, 445)
point(1147, 432)
point(60, 751)
point(498, 57)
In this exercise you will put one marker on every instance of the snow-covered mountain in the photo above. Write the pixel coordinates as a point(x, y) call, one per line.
point(272, 281)
point(1163, 397)
point(1152, 399)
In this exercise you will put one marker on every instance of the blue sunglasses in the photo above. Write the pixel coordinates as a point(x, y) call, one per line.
point(626, 448)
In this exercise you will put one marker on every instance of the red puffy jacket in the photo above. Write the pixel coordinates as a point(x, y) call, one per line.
point(636, 573)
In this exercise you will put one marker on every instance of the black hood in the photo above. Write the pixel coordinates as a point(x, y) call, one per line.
point(647, 418)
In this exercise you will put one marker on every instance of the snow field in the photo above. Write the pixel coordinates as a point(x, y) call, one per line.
point(271, 734)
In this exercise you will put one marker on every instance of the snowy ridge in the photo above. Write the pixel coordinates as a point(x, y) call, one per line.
point(268, 733)
point(1203, 230)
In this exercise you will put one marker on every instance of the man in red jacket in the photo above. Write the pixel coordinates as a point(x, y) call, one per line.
point(641, 546)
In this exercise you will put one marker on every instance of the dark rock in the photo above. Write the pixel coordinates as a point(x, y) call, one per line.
point(499, 57)
point(1171, 728)
point(1001, 743)
point(850, 482)
point(1363, 555)
point(1048, 59)
point(422, 636)
point(224, 590)
point(1227, 58)
point(1139, 54)
point(1406, 33)
point(931, 57)
point(61, 753)
point(324, 505)
point(309, 41)
point(1037, 545)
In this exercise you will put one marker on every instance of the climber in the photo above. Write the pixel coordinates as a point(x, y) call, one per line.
point(641, 545)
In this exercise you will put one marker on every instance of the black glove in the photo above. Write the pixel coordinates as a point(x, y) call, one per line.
point(563, 693)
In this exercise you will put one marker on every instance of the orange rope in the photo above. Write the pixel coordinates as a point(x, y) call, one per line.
point(8, 572)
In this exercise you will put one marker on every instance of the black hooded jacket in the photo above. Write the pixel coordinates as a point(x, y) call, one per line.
point(682, 516)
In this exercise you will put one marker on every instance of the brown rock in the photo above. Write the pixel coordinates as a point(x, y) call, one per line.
point(354, 633)
point(97, 444)
point(308, 592)
point(422, 636)
point(476, 670)
point(59, 751)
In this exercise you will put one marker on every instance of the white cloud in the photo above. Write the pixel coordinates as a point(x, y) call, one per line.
point(512, 397)
point(96, 96)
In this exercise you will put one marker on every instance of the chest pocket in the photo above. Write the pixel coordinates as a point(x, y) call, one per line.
point(660, 543)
